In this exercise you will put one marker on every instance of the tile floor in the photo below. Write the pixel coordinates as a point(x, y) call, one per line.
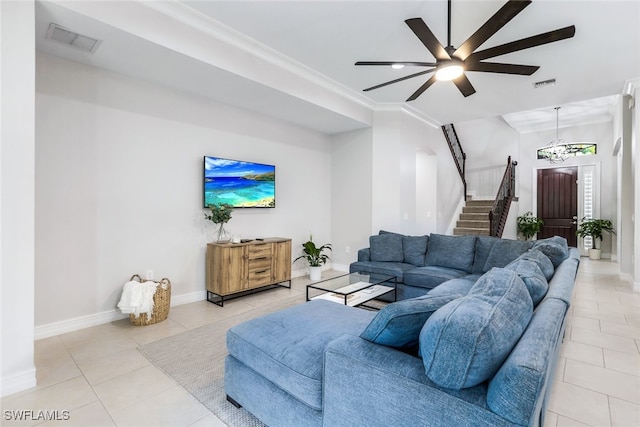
point(98, 375)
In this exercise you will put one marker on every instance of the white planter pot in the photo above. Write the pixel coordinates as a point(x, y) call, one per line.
point(594, 253)
point(315, 273)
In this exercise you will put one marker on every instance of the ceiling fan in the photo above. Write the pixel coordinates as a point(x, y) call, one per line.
point(452, 63)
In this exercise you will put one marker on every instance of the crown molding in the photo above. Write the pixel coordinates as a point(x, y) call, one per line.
point(403, 107)
point(213, 28)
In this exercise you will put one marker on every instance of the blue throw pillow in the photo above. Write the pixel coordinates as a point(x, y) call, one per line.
point(386, 247)
point(532, 277)
point(398, 324)
point(503, 252)
point(555, 248)
point(543, 261)
point(414, 249)
point(465, 342)
point(451, 251)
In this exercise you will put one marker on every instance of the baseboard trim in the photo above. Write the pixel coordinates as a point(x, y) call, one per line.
point(82, 322)
point(77, 323)
point(188, 298)
point(17, 382)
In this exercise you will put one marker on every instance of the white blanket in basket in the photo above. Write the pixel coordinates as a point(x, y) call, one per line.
point(137, 298)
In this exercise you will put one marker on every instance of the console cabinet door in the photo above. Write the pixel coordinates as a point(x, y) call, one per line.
point(281, 262)
point(227, 269)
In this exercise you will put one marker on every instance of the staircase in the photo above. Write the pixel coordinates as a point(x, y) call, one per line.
point(474, 219)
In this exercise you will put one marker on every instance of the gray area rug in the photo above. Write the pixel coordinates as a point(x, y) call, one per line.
point(195, 359)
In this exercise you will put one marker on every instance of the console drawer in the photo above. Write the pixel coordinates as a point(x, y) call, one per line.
point(259, 277)
point(260, 251)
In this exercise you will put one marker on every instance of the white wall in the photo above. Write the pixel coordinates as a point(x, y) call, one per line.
point(351, 195)
point(119, 187)
point(17, 69)
point(488, 143)
point(385, 178)
point(398, 137)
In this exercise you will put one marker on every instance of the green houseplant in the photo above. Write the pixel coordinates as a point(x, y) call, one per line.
point(315, 257)
point(529, 225)
point(220, 214)
point(594, 228)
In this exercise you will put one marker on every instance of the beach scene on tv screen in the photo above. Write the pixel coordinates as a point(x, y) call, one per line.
point(240, 184)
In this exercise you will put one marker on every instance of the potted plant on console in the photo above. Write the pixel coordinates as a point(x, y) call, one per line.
point(529, 225)
point(595, 229)
point(314, 257)
point(220, 214)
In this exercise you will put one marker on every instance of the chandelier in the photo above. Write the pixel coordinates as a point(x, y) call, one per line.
point(556, 151)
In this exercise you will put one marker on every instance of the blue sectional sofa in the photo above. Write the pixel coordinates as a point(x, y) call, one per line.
point(478, 349)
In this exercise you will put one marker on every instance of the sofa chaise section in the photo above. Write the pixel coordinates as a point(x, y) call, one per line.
point(286, 349)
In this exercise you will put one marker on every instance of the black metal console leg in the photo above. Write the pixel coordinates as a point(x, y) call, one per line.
point(233, 402)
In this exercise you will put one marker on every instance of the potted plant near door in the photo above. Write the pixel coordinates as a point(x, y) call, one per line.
point(314, 257)
point(595, 229)
point(529, 225)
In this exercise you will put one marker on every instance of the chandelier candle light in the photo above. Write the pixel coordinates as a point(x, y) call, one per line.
point(556, 151)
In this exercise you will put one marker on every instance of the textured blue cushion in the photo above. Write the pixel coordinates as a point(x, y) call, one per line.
point(555, 248)
point(543, 261)
point(396, 269)
point(464, 343)
point(429, 277)
point(516, 390)
point(451, 251)
point(503, 252)
point(399, 324)
point(386, 247)
point(460, 287)
point(414, 249)
point(532, 277)
point(483, 247)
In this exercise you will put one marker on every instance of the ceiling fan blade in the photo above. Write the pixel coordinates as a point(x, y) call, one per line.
point(526, 43)
point(464, 85)
point(489, 28)
point(410, 76)
point(427, 38)
point(496, 67)
point(422, 88)
point(389, 63)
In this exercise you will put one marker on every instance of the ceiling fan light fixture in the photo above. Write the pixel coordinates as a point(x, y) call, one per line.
point(397, 66)
point(449, 71)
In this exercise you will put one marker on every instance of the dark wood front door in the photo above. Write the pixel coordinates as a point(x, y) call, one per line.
point(558, 203)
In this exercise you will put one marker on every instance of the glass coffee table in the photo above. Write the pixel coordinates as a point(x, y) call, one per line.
point(353, 289)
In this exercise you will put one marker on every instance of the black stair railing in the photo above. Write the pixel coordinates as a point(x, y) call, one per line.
point(506, 194)
point(459, 156)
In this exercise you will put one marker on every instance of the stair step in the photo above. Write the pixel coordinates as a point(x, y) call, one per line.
point(488, 203)
point(474, 216)
point(473, 224)
point(476, 209)
point(470, 231)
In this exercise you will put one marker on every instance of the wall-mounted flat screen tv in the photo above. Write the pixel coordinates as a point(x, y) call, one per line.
point(238, 183)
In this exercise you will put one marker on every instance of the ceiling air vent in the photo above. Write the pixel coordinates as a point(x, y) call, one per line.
point(544, 83)
point(69, 38)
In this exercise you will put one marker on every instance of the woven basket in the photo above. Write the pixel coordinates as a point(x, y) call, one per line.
point(161, 303)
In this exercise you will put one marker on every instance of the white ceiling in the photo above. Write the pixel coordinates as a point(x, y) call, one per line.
point(314, 44)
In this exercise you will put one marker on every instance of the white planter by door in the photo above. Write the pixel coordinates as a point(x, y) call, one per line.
point(594, 253)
